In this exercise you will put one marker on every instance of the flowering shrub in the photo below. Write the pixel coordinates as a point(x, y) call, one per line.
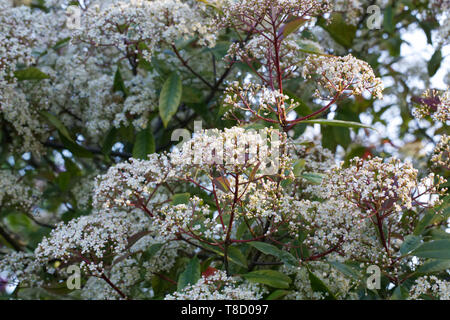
point(294, 187)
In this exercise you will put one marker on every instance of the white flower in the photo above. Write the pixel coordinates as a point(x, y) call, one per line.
point(14, 192)
point(441, 156)
point(218, 286)
point(21, 268)
point(143, 25)
point(430, 286)
point(340, 74)
point(434, 103)
point(383, 187)
point(90, 240)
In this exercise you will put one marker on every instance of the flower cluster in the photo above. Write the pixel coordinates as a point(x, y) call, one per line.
point(232, 149)
point(15, 193)
point(126, 183)
point(247, 12)
point(441, 9)
point(149, 256)
point(192, 219)
point(124, 274)
point(141, 26)
point(260, 49)
point(259, 101)
point(218, 286)
point(82, 92)
point(92, 240)
point(82, 191)
point(340, 74)
point(434, 103)
point(79, 75)
point(147, 185)
point(378, 187)
point(353, 9)
point(430, 286)
point(441, 156)
point(315, 157)
point(23, 33)
point(328, 225)
point(17, 40)
point(21, 267)
point(338, 283)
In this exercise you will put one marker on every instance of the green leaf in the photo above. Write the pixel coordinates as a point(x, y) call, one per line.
point(427, 27)
point(236, 256)
point(341, 32)
point(338, 123)
point(119, 84)
point(63, 180)
point(438, 234)
point(319, 286)
point(288, 259)
point(144, 144)
point(388, 21)
point(278, 294)
point(220, 50)
point(431, 266)
point(181, 198)
point(222, 183)
point(31, 73)
point(346, 270)
point(170, 98)
point(299, 165)
point(292, 26)
point(438, 249)
point(65, 136)
point(191, 95)
point(394, 44)
point(435, 62)
point(75, 148)
point(424, 222)
point(265, 248)
point(312, 177)
point(269, 249)
point(233, 256)
point(56, 123)
point(400, 293)
point(61, 43)
point(310, 47)
point(109, 140)
point(410, 243)
point(271, 278)
point(190, 275)
point(151, 251)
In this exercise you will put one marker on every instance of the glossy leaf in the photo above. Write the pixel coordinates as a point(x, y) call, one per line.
point(170, 98)
point(438, 249)
point(180, 198)
point(190, 275)
point(338, 123)
point(144, 144)
point(31, 73)
point(319, 286)
point(271, 278)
